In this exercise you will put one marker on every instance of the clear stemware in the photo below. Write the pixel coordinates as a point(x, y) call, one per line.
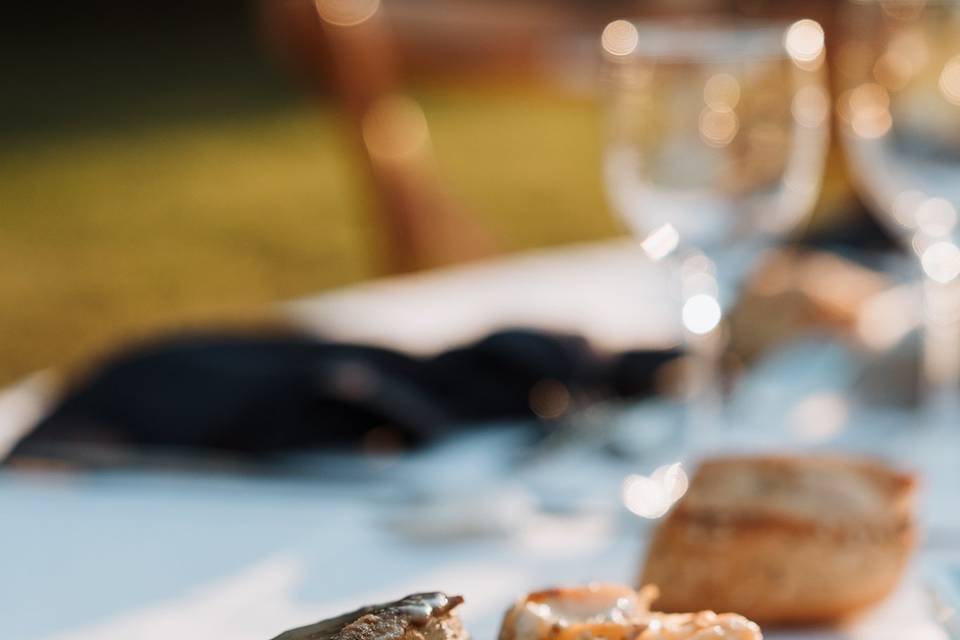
point(716, 139)
point(899, 113)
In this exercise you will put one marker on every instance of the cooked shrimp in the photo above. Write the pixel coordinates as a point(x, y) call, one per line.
point(614, 612)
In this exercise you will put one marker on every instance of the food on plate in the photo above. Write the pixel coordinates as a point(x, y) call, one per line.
point(614, 612)
point(421, 616)
point(784, 539)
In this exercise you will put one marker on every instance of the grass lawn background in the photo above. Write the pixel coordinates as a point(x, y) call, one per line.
point(148, 185)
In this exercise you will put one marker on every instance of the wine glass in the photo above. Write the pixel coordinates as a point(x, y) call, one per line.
point(899, 115)
point(717, 135)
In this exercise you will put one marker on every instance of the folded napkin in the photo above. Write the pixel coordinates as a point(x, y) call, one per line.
point(253, 394)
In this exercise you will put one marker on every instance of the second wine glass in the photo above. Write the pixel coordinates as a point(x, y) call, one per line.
point(899, 114)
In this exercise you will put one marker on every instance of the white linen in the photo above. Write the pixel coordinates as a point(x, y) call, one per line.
point(608, 292)
point(153, 556)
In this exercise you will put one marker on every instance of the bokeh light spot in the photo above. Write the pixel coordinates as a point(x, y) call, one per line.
point(804, 42)
point(941, 261)
point(347, 13)
point(935, 217)
point(718, 127)
point(620, 38)
point(905, 207)
point(721, 92)
point(701, 314)
point(950, 81)
point(395, 128)
point(867, 109)
point(651, 497)
point(549, 399)
point(819, 417)
point(661, 242)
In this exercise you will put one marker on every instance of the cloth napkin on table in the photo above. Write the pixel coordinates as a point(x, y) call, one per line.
point(261, 395)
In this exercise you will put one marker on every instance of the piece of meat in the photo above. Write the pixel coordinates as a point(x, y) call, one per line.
point(421, 616)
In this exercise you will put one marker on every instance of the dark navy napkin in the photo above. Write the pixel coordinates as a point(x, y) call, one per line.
point(258, 394)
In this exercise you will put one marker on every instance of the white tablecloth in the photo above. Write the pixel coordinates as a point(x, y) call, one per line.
point(156, 556)
point(608, 292)
point(147, 556)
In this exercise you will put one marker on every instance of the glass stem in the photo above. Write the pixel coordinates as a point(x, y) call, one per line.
point(704, 338)
point(941, 352)
point(705, 405)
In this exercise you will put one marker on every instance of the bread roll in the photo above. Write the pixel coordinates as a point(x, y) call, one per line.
point(784, 540)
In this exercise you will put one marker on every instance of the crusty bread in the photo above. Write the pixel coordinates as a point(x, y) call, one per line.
point(421, 616)
point(784, 540)
point(614, 612)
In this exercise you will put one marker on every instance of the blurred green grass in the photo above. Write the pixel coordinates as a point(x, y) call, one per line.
point(170, 204)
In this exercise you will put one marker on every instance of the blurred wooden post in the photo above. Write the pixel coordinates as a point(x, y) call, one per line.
point(423, 225)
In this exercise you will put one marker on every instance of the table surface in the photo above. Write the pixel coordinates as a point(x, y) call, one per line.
point(151, 556)
point(138, 555)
